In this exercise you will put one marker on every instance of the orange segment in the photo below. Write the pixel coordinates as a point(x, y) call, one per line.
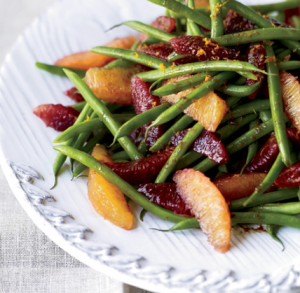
point(209, 206)
point(208, 110)
point(290, 89)
point(106, 198)
point(202, 3)
point(86, 60)
point(111, 85)
point(234, 186)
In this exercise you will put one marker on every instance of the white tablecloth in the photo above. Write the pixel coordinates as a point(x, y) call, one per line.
point(29, 261)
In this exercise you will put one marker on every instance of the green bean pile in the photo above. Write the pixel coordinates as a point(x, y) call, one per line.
point(244, 128)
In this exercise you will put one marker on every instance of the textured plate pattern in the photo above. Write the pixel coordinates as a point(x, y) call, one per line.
point(181, 261)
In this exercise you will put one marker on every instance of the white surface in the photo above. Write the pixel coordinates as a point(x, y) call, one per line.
point(29, 261)
point(25, 139)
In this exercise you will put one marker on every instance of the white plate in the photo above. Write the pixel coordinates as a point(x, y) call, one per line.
point(164, 262)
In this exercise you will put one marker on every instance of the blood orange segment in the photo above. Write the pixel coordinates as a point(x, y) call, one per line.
point(164, 23)
point(106, 198)
point(73, 94)
point(144, 101)
point(256, 56)
point(206, 144)
point(57, 116)
point(111, 85)
point(166, 196)
point(290, 89)
point(86, 60)
point(289, 177)
point(265, 157)
point(209, 206)
point(208, 110)
point(143, 170)
point(234, 186)
point(203, 48)
point(235, 23)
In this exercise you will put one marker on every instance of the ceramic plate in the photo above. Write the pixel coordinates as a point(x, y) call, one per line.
point(160, 262)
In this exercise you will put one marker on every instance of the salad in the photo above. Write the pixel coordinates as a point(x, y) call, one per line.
point(196, 119)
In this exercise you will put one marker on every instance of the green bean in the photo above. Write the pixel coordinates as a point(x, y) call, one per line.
point(120, 156)
point(183, 225)
point(296, 21)
point(186, 160)
point(273, 33)
point(277, 15)
point(192, 28)
point(279, 6)
point(88, 126)
point(112, 107)
point(268, 181)
point(278, 51)
point(223, 168)
point(289, 65)
point(88, 148)
point(142, 214)
point(241, 80)
point(190, 68)
point(79, 106)
point(82, 138)
point(245, 218)
point(143, 147)
point(265, 115)
point(232, 101)
point(277, 108)
point(75, 130)
point(178, 19)
point(185, 11)
point(272, 230)
point(247, 74)
point(265, 218)
point(196, 94)
point(259, 20)
point(248, 108)
point(149, 30)
point(217, 28)
point(135, 56)
point(58, 70)
point(290, 208)
point(178, 152)
point(241, 142)
point(174, 56)
point(139, 120)
point(239, 90)
point(126, 188)
point(204, 10)
point(224, 133)
point(151, 41)
point(252, 148)
point(270, 197)
point(119, 63)
point(182, 85)
point(104, 114)
point(181, 124)
point(283, 55)
point(60, 158)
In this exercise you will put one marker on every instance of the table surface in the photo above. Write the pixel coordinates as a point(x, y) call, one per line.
point(29, 261)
